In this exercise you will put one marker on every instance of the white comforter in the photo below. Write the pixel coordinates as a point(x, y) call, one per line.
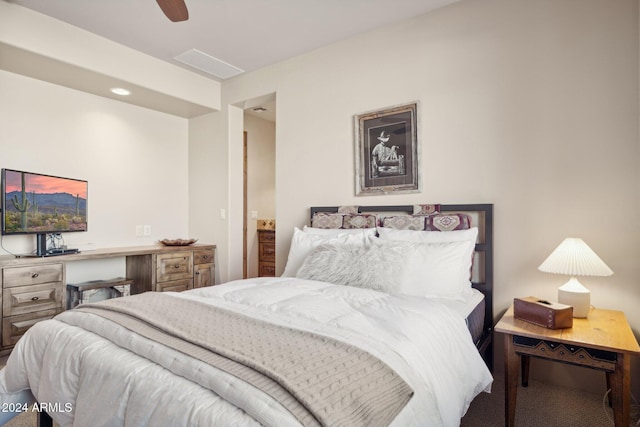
point(84, 379)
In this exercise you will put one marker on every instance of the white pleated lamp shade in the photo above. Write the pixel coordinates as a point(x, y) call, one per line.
point(573, 257)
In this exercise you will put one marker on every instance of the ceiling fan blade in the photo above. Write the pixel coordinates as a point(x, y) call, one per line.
point(175, 10)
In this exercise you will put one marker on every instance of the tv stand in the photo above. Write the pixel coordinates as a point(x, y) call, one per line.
point(41, 244)
point(42, 251)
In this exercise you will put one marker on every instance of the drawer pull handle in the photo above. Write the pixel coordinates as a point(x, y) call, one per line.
point(34, 275)
point(197, 273)
point(35, 298)
point(176, 266)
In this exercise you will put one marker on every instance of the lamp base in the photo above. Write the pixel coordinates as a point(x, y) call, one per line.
point(574, 294)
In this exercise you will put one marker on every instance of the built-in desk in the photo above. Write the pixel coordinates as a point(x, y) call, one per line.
point(33, 288)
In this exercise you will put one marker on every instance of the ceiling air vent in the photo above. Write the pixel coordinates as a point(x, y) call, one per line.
point(207, 63)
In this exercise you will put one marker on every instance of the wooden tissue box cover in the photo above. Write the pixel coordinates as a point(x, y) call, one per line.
point(550, 315)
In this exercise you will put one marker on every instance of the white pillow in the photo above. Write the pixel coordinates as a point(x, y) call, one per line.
point(438, 269)
point(363, 266)
point(303, 243)
point(334, 231)
point(425, 269)
point(470, 234)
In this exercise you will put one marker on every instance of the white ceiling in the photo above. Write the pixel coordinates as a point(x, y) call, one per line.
point(247, 34)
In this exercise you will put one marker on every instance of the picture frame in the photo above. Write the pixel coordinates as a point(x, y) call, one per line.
point(387, 151)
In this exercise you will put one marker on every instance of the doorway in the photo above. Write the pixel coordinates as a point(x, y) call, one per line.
point(259, 147)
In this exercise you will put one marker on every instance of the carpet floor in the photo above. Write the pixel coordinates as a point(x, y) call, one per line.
point(543, 405)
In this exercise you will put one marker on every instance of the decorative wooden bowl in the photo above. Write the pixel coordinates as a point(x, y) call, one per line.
point(178, 242)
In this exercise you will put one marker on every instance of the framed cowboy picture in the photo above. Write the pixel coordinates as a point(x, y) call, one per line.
point(387, 151)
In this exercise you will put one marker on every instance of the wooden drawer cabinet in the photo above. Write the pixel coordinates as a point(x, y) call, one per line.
point(266, 269)
point(173, 269)
point(204, 268)
point(266, 253)
point(29, 294)
point(204, 256)
point(29, 299)
point(174, 266)
point(32, 275)
point(175, 285)
point(185, 270)
point(14, 327)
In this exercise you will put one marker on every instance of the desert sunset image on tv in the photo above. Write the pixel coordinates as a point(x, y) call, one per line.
point(36, 203)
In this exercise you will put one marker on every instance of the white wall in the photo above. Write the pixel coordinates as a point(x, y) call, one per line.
point(207, 195)
point(532, 106)
point(134, 159)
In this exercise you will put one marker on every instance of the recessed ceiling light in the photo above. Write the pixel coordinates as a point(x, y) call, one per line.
point(121, 91)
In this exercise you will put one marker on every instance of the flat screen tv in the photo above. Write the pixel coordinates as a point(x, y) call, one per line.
point(39, 204)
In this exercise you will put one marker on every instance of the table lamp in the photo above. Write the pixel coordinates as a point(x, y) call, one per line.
point(573, 257)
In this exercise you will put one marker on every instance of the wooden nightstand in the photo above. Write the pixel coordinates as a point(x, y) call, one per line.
point(603, 341)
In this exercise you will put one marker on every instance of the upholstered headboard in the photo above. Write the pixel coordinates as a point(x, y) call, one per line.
point(480, 215)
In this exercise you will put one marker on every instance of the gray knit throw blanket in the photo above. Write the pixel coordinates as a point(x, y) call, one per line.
point(320, 380)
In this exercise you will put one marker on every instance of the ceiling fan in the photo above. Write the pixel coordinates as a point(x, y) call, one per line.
point(175, 10)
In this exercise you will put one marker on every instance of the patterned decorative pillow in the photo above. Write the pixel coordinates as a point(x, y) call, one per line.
point(343, 221)
point(404, 222)
point(359, 221)
point(426, 209)
point(448, 222)
point(348, 209)
point(327, 220)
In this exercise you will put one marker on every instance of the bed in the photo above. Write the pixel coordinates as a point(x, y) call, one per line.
point(320, 345)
